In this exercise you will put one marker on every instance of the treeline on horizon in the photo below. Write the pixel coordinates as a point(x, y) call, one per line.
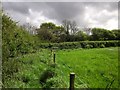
point(69, 32)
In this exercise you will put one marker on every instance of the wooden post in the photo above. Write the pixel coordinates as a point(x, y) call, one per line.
point(72, 78)
point(54, 57)
point(51, 50)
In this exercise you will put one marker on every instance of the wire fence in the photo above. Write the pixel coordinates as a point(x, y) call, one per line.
point(78, 80)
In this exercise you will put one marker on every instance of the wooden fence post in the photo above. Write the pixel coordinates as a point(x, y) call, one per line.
point(54, 57)
point(72, 78)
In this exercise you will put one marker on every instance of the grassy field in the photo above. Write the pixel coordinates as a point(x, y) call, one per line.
point(94, 68)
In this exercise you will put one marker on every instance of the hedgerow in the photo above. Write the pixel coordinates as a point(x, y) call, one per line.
point(81, 44)
point(15, 42)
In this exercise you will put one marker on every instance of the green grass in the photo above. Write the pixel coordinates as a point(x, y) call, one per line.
point(32, 67)
point(94, 68)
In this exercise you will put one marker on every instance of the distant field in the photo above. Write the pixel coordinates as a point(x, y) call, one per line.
point(94, 68)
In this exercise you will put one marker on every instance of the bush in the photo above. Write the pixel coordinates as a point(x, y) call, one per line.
point(87, 46)
point(102, 46)
point(26, 78)
point(48, 73)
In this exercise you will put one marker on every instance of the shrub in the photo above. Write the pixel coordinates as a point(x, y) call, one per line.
point(87, 46)
point(25, 78)
point(102, 46)
point(48, 73)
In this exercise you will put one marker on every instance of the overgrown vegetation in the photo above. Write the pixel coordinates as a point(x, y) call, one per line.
point(26, 64)
point(15, 42)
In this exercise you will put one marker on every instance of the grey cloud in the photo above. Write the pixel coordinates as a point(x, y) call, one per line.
point(110, 6)
point(61, 10)
point(19, 7)
point(66, 10)
point(71, 9)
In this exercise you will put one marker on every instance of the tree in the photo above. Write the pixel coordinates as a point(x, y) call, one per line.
point(28, 27)
point(50, 32)
point(44, 32)
point(66, 25)
point(73, 27)
point(102, 34)
point(109, 35)
point(98, 34)
point(57, 33)
point(117, 34)
point(70, 27)
point(81, 36)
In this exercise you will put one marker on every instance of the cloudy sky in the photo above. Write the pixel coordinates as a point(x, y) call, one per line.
point(86, 14)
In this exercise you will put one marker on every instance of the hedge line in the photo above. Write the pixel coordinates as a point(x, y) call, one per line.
point(81, 44)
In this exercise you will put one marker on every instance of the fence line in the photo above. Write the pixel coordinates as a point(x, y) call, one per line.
point(70, 69)
point(53, 56)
